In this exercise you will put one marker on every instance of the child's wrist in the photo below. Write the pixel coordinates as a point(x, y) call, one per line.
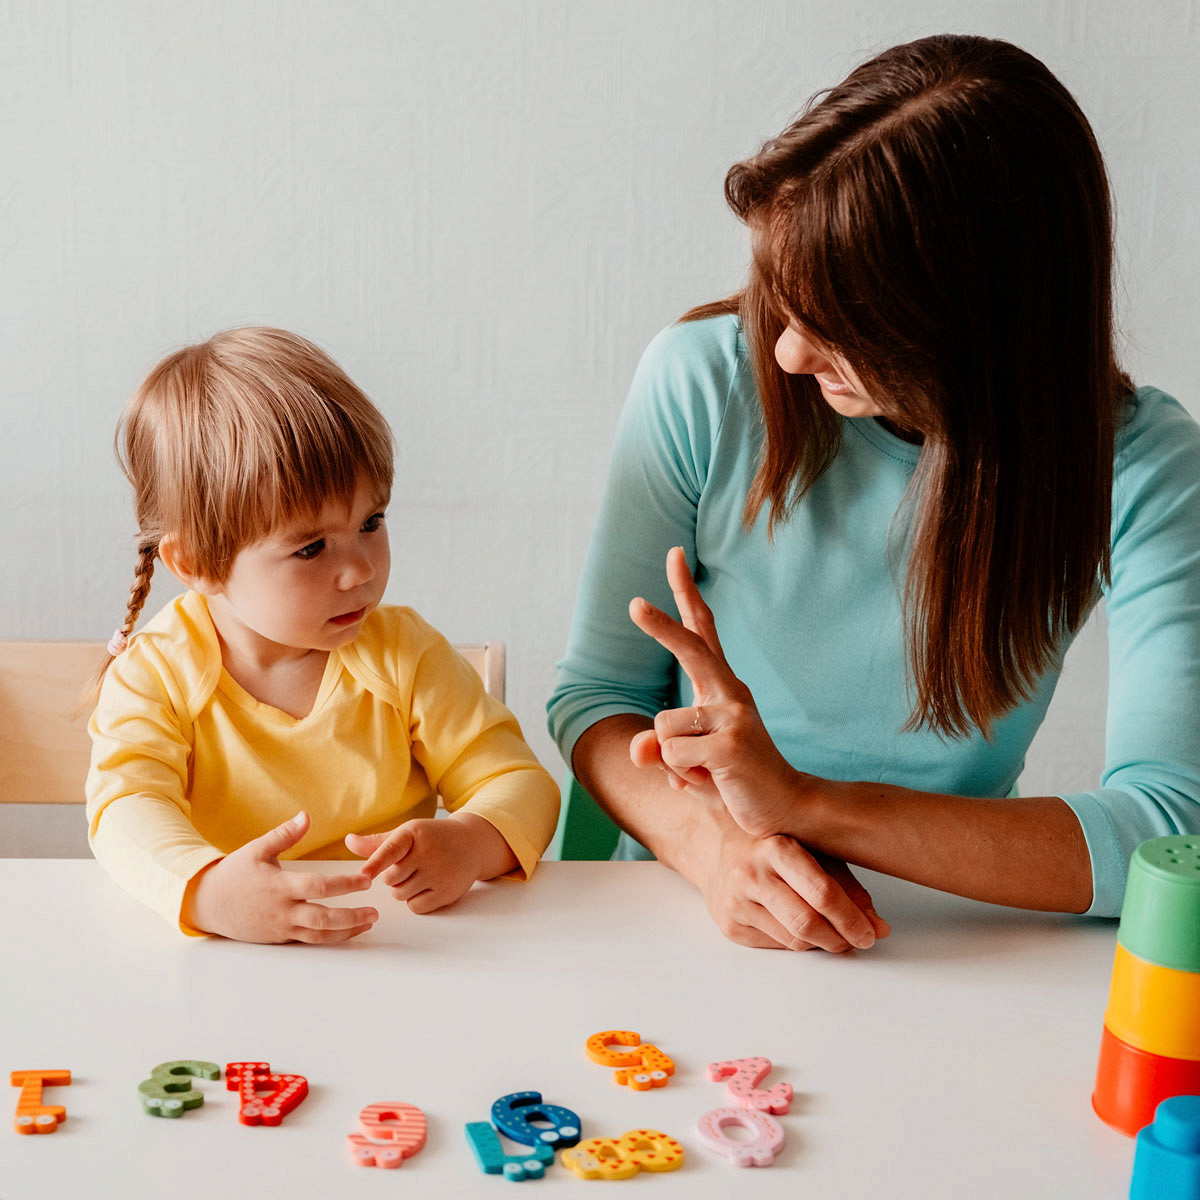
point(193, 912)
point(490, 854)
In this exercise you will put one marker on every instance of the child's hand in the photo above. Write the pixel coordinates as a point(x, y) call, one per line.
point(249, 897)
point(432, 862)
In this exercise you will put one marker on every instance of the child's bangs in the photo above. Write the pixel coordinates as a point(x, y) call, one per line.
point(319, 454)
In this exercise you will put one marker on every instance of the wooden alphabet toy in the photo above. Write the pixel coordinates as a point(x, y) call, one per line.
point(513, 1115)
point(623, 1157)
point(624, 1049)
point(744, 1075)
point(282, 1092)
point(390, 1133)
point(765, 1139)
point(32, 1115)
point(489, 1154)
point(169, 1092)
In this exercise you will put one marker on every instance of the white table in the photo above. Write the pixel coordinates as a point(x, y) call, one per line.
point(955, 1059)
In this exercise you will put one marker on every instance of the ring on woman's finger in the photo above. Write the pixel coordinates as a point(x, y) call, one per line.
point(696, 726)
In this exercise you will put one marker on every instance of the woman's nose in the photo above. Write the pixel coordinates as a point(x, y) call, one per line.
point(796, 355)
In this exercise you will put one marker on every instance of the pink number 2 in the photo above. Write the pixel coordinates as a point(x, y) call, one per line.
point(743, 1089)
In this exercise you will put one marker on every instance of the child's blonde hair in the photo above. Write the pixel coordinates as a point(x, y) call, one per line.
point(229, 439)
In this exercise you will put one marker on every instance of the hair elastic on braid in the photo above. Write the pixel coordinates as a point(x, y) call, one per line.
point(118, 642)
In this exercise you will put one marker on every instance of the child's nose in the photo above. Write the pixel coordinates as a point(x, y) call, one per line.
point(357, 569)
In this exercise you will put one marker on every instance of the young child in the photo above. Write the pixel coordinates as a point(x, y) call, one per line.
point(277, 682)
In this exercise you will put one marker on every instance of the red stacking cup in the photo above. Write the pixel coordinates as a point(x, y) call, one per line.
point(1130, 1084)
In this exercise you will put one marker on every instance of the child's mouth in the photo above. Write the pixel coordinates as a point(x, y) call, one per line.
point(348, 618)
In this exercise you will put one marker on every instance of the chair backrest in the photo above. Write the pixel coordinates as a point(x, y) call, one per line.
point(44, 750)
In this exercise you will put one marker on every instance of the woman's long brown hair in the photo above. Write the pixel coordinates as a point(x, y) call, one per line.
point(941, 220)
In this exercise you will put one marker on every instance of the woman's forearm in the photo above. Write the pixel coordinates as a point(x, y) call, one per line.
point(1026, 852)
point(670, 824)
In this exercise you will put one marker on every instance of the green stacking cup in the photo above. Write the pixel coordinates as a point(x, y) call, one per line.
point(1160, 919)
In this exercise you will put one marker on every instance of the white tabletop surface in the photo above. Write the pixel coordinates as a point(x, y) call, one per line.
point(956, 1059)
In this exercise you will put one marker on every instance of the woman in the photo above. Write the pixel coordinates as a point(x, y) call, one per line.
point(904, 464)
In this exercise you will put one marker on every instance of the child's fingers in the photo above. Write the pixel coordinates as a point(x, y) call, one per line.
point(283, 837)
point(321, 887)
point(329, 937)
point(319, 923)
point(389, 852)
point(364, 844)
point(426, 902)
point(399, 873)
point(411, 885)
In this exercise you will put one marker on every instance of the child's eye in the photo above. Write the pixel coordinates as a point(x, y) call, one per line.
point(311, 550)
point(373, 522)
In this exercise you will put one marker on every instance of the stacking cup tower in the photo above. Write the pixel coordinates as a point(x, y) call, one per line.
point(1150, 1046)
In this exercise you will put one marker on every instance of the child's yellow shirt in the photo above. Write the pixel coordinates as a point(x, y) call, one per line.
point(187, 766)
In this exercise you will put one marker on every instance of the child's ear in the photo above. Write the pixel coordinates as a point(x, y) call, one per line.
point(181, 567)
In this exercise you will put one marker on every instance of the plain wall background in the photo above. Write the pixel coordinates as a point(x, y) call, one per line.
point(483, 211)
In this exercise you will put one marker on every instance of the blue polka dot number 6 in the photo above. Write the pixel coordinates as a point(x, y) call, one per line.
point(513, 1115)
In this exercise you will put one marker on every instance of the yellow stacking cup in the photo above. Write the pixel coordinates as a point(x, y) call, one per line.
point(1153, 1008)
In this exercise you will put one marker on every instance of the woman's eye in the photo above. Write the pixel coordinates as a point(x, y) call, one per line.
point(311, 550)
point(373, 522)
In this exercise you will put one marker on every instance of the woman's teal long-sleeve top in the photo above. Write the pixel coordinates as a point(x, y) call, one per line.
point(811, 620)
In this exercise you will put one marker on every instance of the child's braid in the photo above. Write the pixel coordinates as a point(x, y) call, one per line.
point(141, 586)
point(137, 598)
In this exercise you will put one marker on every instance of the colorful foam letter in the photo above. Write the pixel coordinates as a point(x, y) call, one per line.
point(391, 1132)
point(743, 1089)
point(282, 1092)
point(32, 1115)
point(623, 1157)
point(599, 1158)
point(765, 1142)
point(169, 1092)
point(489, 1154)
point(513, 1115)
point(624, 1049)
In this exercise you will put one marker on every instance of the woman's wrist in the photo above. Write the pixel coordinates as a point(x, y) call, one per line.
point(800, 812)
point(691, 843)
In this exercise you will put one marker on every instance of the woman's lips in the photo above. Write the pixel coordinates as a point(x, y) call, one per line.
point(837, 387)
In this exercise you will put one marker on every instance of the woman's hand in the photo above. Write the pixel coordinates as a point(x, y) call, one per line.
point(430, 862)
point(249, 897)
point(768, 892)
point(721, 736)
point(771, 892)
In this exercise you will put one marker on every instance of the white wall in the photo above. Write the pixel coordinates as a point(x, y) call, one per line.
point(484, 210)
